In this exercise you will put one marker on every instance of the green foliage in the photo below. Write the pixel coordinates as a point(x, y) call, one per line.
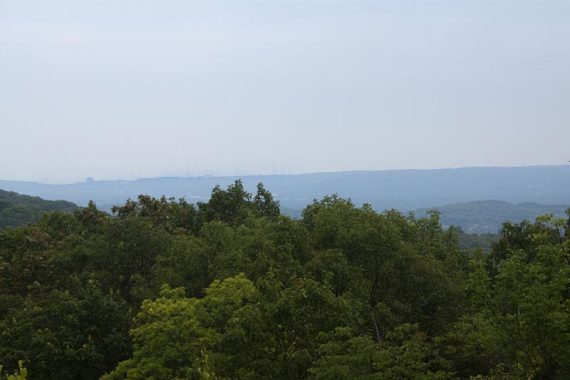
point(231, 289)
point(174, 336)
point(519, 317)
point(20, 374)
point(174, 216)
point(81, 329)
point(19, 210)
point(487, 217)
point(265, 205)
point(234, 205)
point(405, 354)
point(473, 242)
point(410, 268)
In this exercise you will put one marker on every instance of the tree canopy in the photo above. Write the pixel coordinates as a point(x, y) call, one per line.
point(232, 289)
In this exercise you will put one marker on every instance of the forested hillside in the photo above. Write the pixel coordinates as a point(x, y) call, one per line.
point(481, 217)
point(232, 289)
point(18, 210)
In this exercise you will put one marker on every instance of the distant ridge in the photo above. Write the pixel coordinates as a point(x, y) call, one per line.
point(487, 216)
point(402, 189)
point(18, 210)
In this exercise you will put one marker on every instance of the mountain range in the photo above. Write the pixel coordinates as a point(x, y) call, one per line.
point(518, 191)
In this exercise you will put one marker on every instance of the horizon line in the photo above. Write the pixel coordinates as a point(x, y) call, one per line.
point(90, 179)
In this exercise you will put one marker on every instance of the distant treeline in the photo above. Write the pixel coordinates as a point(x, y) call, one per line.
point(232, 289)
point(17, 210)
point(483, 217)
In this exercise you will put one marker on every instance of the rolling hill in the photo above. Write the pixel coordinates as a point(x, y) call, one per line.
point(517, 192)
point(18, 210)
point(482, 217)
point(402, 189)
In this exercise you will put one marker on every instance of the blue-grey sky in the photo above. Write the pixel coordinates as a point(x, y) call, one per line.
point(136, 88)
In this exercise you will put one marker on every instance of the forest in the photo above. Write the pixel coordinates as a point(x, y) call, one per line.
point(232, 289)
point(17, 210)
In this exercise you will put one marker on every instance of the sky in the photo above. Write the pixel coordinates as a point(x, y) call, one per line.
point(123, 89)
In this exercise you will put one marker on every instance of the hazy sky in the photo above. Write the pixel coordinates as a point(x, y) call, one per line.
point(134, 88)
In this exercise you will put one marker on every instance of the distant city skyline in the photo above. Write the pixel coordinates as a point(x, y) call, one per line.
point(116, 89)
